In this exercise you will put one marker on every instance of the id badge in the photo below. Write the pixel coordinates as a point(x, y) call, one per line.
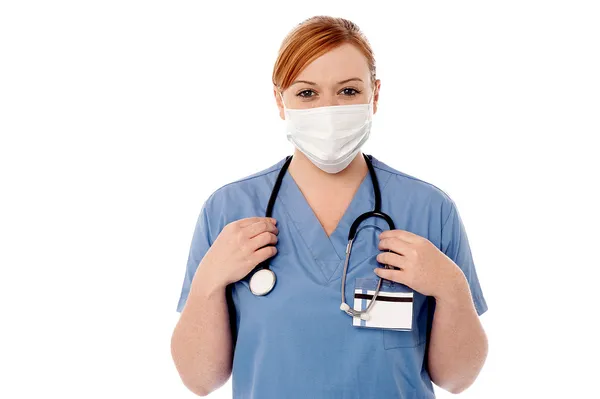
point(393, 307)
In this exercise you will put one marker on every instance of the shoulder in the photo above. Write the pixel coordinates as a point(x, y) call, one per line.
point(244, 189)
point(404, 185)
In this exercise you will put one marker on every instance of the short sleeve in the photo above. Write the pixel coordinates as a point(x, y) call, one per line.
point(201, 242)
point(455, 245)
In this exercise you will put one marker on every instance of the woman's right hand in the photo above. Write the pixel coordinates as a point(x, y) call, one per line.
point(239, 248)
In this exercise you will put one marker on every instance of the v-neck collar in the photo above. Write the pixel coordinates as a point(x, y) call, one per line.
point(327, 251)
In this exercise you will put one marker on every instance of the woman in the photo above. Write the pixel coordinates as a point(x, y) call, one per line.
point(287, 337)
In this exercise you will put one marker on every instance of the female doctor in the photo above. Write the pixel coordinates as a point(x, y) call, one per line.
point(288, 332)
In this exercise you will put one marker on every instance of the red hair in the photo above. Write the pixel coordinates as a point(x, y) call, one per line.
point(312, 38)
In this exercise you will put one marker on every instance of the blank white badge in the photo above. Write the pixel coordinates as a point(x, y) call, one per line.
point(392, 310)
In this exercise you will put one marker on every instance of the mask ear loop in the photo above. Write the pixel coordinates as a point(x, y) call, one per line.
point(281, 95)
point(372, 100)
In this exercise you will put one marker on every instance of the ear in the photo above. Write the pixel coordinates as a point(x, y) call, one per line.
point(376, 95)
point(278, 102)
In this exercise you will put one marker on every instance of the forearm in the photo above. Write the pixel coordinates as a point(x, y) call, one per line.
point(458, 344)
point(201, 345)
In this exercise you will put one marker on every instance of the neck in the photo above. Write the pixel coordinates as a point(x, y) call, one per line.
point(302, 169)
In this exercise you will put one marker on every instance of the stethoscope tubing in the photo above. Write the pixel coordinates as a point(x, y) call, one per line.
point(352, 233)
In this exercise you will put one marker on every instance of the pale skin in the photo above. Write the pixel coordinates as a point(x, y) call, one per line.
point(458, 344)
point(201, 344)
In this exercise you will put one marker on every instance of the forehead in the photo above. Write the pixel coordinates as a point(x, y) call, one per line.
point(345, 61)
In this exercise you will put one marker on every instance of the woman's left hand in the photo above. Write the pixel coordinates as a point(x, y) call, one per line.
point(424, 268)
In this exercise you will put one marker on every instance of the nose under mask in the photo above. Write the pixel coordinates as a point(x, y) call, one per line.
point(330, 136)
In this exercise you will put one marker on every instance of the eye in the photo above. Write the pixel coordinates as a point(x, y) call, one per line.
point(349, 91)
point(304, 95)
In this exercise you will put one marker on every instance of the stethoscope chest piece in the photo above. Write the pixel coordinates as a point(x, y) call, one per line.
point(262, 282)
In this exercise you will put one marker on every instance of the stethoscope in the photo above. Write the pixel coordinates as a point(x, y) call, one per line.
point(263, 280)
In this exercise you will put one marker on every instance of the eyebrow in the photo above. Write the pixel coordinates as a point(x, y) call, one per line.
point(314, 84)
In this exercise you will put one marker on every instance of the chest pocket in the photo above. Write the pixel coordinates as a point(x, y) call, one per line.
point(415, 337)
point(393, 338)
point(400, 339)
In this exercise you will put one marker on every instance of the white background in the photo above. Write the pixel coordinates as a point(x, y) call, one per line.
point(119, 118)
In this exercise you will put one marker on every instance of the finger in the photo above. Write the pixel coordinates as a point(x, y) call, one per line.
point(259, 227)
point(392, 259)
point(251, 220)
point(262, 254)
point(401, 234)
point(395, 244)
point(261, 240)
point(394, 275)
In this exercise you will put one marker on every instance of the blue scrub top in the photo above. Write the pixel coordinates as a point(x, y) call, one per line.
point(295, 342)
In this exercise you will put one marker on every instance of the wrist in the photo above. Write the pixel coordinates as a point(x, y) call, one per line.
point(455, 292)
point(206, 284)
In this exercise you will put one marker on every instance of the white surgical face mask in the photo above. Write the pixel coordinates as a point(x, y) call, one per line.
point(329, 136)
